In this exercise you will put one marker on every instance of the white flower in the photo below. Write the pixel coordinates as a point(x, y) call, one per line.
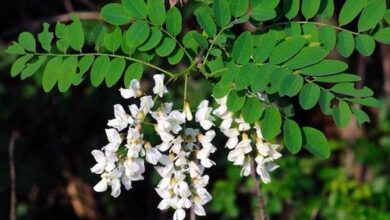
point(105, 161)
point(146, 104)
point(122, 119)
point(133, 91)
point(264, 166)
point(159, 87)
point(179, 214)
point(202, 197)
point(238, 154)
point(114, 140)
point(187, 111)
point(152, 154)
point(246, 168)
point(203, 115)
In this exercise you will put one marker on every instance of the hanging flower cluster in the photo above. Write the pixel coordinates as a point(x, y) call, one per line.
point(184, 152)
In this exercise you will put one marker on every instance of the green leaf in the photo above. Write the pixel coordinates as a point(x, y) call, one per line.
point(76, 34)
point(115, 71)
point(326, 10)
point(27, 41)
point(222, 13)
point(201, 40)
point(327, 37)
point(346, 43)
point(350, 11)
point(276, 78)
point(306, 57)
point(372, 14)
point(113, 40)
point(99, 70)
point(316, 143)
point(137, 34)
point(293, 29)
point(238, 7)
point(236, 100)
point(174, 21)
point(154, 39)
point(361, 116)
point(19, 65)
point(365, 44)
point(137, 8)
point(292, 136)
point(370, 101)
point(270, 123)
point(325, 101)
point(243, 47)
point(310, 8)
point(176, 56)
point(84, 65)
point(262, 13)
point(67, 73)
point(221, 89)
point(260, 78)
point(383, 35)
point(264, 46)
point(309, 95)
point(156, 11)
point(32, 68)
point(286, 50)
point(325, 67)
point(311, 30)
point(45, 37)
point(244, 76)
point(387, 16)
point(15, 49)
point(115, 14)
point(291, 85)
point(63, 37)
point(134, 71)
point(51, 73)
point(252, 110)
point(339, 78)
point(291, 8)
point(166, 47)
point(350, 90)
point(205, 20)
point(342, 114)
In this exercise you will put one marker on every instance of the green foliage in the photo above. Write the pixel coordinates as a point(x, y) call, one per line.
point(285, 58)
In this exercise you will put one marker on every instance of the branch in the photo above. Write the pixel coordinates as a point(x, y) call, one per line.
point(11, 148)
point(261, 215)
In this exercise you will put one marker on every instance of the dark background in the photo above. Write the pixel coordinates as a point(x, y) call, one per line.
point(56, 133)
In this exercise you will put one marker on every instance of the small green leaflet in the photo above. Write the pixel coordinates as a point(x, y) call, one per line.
point(176, 56)
point(262, 12)
point(309, 95)
point(137, 8)
point(15, 49)
point(166, 47)
point(252, 110)
point(291, 8)
point(361, 116)
point(383, 35)
point(287, 49)
point(326, 10)
point(245, 75)
point(67, 73)
point(270, 123)
point(342, 114)
point(345, 44)
point(51, 73)
point(99, 70)
point(339, 78)
point(174, 21)
point(45, 38)
point(371, 15)
point(316, 143)
point(243, 47)
point(222, 13)
point(325, 67)
point(365, 44)
point(76, 34)
point(154, 39)
point(63, 37)
point(327, 37)
point(260, 78)
point(134, 71)
point(115, 71)
point(350, 11)
point(325, 101)
point(349, 89)
point(112, 41)
point(137, 34)
point(370, 101)
point(306, 57)
point(156, 11)
point(205, 20)
point(32, 68)
point(291, 85)
point(310, 8)
point(236, 100)
point(292, 136)
point(265, 44)
point(20, 64)
point(238, 7)
point(27, 41)
point(115, 14)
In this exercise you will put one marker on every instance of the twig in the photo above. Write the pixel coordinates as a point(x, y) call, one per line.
point(261, 215)
point(68, 6)
point(11, 148)
point(192, 213)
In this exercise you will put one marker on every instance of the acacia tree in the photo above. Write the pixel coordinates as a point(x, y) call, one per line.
point(254, 76)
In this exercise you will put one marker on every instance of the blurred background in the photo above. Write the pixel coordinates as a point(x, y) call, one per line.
point(47, 139)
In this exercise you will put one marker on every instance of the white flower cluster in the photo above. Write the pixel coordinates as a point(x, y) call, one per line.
point(180, 159)
point(241, 148)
